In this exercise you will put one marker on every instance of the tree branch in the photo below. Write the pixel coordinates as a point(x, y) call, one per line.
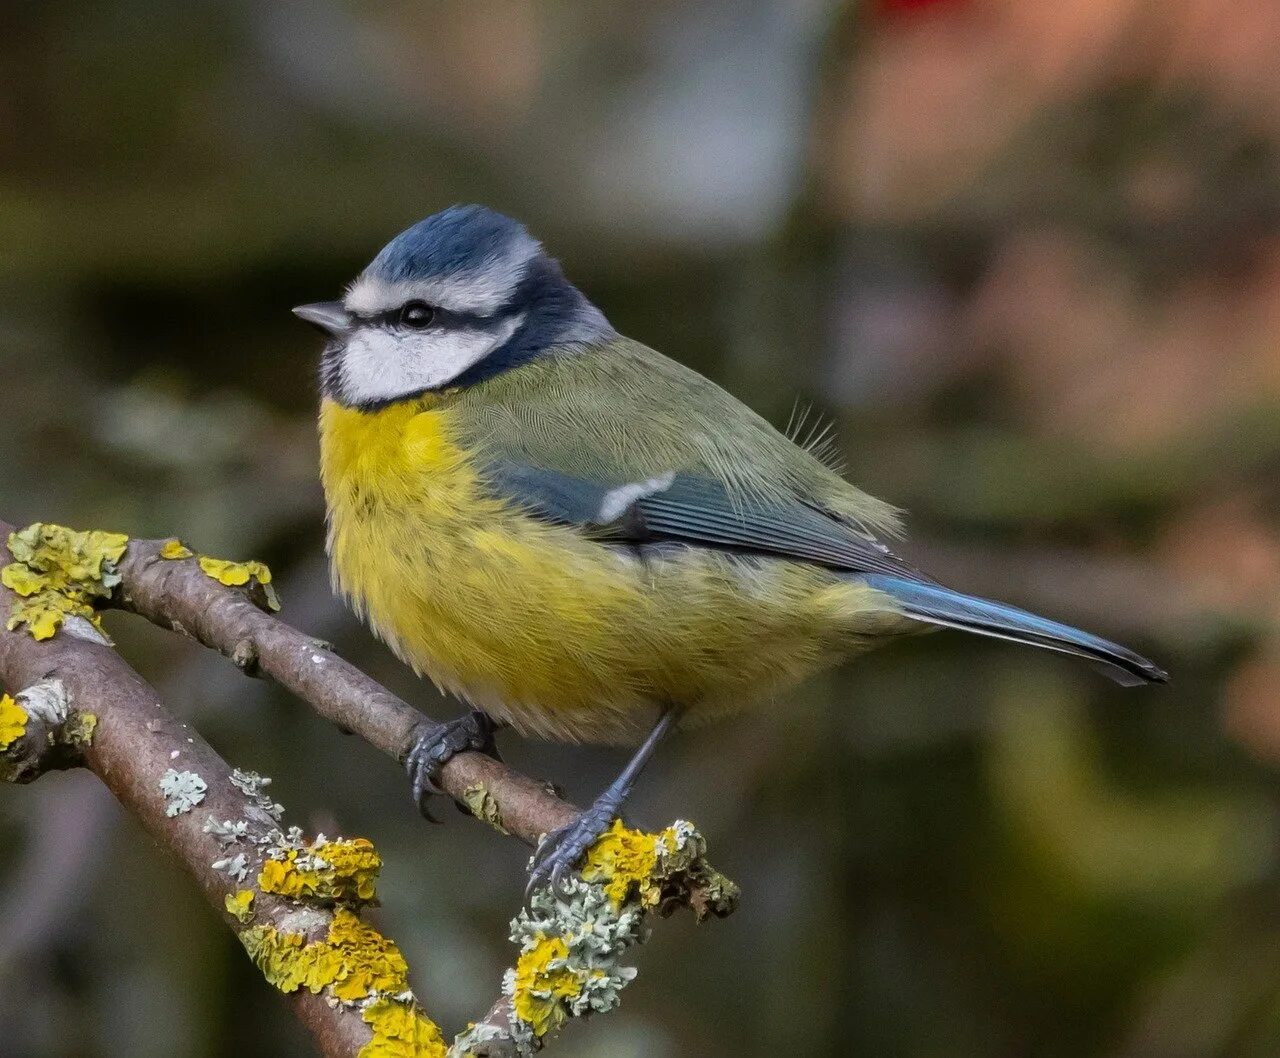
point(133, 743)
point(342, 975)
point(177, 594)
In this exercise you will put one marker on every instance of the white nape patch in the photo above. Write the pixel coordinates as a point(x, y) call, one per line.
point(616, 501)
point(379, 364)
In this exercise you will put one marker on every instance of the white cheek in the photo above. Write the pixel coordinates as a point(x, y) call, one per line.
point(379, 364)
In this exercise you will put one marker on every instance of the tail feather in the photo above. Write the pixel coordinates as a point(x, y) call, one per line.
point(934, 604)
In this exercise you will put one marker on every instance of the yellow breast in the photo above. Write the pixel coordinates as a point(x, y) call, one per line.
point(533, 622)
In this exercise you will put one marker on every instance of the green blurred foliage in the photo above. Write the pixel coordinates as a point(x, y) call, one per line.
point(1026, 257)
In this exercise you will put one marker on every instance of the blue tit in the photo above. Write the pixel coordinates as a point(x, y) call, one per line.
point(579, 537)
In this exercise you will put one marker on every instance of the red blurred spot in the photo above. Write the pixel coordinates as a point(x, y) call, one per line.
point(905, 7)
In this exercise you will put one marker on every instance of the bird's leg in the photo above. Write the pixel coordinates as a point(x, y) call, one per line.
point(436, 744)
point(560, 851)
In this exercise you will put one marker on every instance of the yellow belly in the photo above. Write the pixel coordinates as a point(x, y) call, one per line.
point(556, 634)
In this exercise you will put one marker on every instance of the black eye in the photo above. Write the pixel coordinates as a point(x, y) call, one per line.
point(417, 314)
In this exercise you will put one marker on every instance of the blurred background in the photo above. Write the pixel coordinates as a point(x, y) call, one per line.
point(1024, 256)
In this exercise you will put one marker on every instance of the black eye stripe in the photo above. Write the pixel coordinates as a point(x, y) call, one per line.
point(392, 318)
point(441, 318)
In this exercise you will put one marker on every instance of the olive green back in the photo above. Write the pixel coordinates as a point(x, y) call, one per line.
point(622, 412)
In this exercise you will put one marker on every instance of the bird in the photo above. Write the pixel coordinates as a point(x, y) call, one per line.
point(581, 538)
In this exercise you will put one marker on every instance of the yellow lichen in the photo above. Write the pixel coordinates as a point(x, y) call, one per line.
point(401, 1030)
point(44, 613)
point(240, 904)
point(632, 864)
point(175, 549)
point(238, 574)
point(22, 579)
point(484, 806)
point(623, 861)
point(543, 978)
point(13, 722)
point(572, 938)
point(345, 869)
point(284, 959)
point(78, 729)
point(370, 962)
point(354, 960)
point(59, 573)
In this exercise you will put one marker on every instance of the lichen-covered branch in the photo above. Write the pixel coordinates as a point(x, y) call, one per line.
point(166, 583)
point(572, 943)
point(177, 593)
point(295, 906)
point(39, 731)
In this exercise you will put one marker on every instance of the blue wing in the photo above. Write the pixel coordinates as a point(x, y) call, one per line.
point(699, 511)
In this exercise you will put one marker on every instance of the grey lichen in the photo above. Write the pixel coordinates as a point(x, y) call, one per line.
point(227, 831)
point(236, 866)
point(182, 791)
point(595, 933)
point(47, 701)
point(571, 945)
point(83, 628)
point(466, 1043)
point(249, 783)
point(253, 786)
point(259, 831)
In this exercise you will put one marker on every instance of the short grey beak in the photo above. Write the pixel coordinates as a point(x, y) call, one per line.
point(330, 316)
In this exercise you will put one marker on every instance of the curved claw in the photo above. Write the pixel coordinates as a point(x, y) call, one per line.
point(436, 744)
point(559, 852)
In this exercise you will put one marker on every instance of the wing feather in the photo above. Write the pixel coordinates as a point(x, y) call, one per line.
point(698, 511)
point(620, 412)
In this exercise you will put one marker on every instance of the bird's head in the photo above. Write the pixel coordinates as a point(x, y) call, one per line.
point(453, 300)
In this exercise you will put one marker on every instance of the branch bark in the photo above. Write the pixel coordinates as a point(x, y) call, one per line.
point(178, 595)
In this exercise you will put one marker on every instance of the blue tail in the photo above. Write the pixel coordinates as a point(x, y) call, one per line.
point(937, 605)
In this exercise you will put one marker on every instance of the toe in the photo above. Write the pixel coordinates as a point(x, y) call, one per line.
point(435, 745)
point(559, 853)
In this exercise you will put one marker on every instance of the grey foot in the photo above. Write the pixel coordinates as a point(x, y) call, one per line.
point(436, 744)
point(558, 853)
